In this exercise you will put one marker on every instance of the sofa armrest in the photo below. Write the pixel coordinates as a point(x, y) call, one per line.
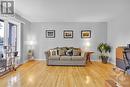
point(84, 54)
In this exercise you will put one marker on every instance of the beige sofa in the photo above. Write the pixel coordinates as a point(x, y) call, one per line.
point(58, 59)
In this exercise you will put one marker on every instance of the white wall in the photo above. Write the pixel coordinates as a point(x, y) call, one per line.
point(42, 44)
point(119, 31)
point(25, 36)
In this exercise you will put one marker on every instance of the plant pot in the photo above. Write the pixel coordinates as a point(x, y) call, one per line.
point(104, 60)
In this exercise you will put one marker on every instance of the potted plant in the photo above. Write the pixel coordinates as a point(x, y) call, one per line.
point(104, 49)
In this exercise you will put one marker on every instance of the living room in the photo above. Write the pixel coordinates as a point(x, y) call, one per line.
point(42, 26)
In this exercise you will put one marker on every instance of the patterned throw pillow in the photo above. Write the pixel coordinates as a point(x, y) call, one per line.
point(61, 52)
point(76, 52)
point(69, 52)
point(53, 52)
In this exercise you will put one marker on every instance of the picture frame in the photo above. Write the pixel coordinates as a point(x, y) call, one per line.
point(68, 34)
point(86, 34)
point(50, 33)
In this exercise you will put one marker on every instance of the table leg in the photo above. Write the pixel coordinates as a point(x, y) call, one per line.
point(88, 58)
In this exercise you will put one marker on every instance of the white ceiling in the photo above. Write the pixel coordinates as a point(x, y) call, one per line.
point(70, 10)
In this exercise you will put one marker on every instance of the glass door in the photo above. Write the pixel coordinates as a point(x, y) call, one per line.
point(1, 37)
point(10, 47)
point(12, 43)
point(12, 39)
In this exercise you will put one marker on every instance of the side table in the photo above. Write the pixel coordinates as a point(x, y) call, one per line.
point(88, 56)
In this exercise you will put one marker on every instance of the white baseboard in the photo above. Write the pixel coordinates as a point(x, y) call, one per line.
point(25, 61)
point(45, 60)
point(40, 59)
point(101, 61)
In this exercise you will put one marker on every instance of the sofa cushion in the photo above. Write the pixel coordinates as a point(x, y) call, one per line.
point(65, 58)
point(54, 57)
point(77, 58)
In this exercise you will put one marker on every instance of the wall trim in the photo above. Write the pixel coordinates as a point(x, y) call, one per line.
point(40, 59)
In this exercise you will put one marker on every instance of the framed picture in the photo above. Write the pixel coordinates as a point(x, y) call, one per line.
point(50, 33)
point(86, 34)
point(68, 34)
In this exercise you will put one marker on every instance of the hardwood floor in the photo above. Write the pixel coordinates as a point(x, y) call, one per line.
point(37, 74)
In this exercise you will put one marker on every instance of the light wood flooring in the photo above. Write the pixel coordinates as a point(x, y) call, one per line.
point(37, 74)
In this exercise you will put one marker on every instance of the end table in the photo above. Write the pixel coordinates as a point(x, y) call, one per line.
point(88, 56)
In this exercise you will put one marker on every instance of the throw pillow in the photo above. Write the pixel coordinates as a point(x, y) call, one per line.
point(61, 52)
point(53, 52)
point(69, 52)
point(76, 52)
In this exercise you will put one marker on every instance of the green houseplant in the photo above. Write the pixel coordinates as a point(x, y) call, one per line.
point(104, 50)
